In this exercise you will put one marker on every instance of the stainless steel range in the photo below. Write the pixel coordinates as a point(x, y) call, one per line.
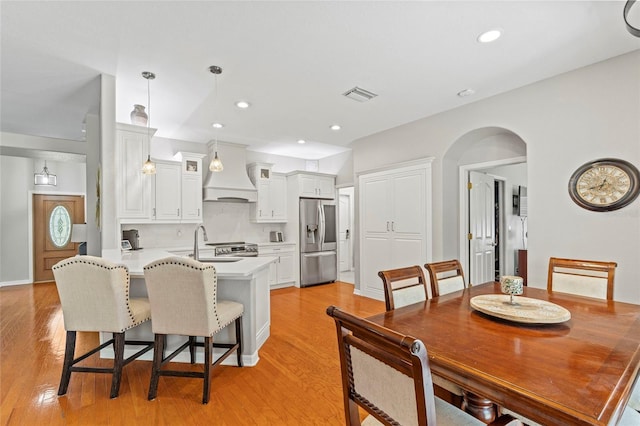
point(237, 248)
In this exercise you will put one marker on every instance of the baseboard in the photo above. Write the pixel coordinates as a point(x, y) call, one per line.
point(12, 283)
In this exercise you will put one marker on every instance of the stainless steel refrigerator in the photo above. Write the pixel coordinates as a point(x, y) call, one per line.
point(318, 242)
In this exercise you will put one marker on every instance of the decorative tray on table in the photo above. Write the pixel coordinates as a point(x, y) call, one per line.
point(524, 309)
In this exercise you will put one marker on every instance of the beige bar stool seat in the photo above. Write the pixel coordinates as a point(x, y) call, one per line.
point(94, 295)
point(183, 297)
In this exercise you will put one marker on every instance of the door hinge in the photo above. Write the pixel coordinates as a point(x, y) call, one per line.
point(469, 185)
point(470, 236)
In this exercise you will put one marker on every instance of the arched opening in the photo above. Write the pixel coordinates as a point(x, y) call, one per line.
point(490, 151)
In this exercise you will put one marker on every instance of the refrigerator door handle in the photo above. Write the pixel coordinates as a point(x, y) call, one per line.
point(322, 224)
point(319, 254)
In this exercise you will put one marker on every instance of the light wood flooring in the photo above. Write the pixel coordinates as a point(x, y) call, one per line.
point(296, 381)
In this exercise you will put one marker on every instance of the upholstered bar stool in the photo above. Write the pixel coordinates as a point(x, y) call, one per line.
point(183, 297)
point(94, 294)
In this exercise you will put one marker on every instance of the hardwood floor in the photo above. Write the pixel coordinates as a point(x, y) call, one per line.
point(296, 381)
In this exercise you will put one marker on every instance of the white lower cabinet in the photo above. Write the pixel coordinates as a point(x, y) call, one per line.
point(281, 272)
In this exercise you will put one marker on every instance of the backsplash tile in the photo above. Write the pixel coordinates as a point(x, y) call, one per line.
point(224, 222)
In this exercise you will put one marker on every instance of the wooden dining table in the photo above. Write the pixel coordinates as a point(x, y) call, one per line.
point(578, 372)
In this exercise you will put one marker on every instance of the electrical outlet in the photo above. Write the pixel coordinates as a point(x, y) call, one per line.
point(179, 233)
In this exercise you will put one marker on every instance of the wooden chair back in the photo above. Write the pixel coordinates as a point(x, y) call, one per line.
point(403, 286)
point(589, 278)
point(384, 372)
point(446, 277)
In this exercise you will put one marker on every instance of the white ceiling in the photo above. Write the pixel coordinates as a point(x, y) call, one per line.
point(291, 60)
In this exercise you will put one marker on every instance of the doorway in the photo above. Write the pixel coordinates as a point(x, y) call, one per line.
point(489, 224)
point(345, 226)
point(53, 218)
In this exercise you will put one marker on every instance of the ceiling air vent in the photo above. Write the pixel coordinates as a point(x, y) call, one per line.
point(358, 94)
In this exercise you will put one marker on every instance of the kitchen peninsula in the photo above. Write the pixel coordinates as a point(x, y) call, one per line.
point(244, 281)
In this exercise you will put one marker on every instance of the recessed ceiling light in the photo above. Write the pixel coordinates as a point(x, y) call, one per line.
point(489, 36)
point(335, 127)
point(301, 141)
point(217, 125)
point(243, 104)
point(466, 92)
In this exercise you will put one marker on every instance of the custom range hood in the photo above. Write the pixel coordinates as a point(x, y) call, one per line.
point(232, 183)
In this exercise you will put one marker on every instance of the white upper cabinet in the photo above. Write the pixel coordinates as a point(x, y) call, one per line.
point(133, 187)
point(191, 187)
point(315, 185)
point(167, 191)
point(271, 206)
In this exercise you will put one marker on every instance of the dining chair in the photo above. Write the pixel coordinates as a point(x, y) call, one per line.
point(388, 375)
point(582, 277)
point(94, 296)
point(403, 286)
point(446, 277)
point(183, 297)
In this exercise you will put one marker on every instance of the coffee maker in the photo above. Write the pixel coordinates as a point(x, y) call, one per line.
point(132, 236)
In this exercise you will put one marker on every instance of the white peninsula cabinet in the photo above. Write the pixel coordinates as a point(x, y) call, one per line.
point(313, 185)
point(281, 272)
point(132, 186)
point(271, 206)
point(395, 225)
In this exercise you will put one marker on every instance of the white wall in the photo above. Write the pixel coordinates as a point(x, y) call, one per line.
point(565, 121)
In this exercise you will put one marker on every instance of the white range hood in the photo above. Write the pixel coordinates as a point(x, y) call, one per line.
point(232, 183)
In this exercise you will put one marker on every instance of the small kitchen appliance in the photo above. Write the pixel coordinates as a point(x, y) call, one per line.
point(132, 236)
point(276, 237)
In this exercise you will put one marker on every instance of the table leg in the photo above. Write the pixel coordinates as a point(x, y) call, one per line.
point(479, 407)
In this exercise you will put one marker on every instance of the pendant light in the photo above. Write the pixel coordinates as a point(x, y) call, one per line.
point(216, 163)
point(44, 177)
point(149, 167)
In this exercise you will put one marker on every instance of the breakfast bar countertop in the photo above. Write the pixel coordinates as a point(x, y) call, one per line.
point(136, 260)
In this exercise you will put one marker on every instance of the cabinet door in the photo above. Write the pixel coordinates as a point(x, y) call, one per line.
point(134, 186)
point(278, 198)
point(376, 206)
point(285, 268)
point(191, 197)
point(167, 190)
point(326, 187)
point(308, 186)
point(263, 205)
point(407, 218)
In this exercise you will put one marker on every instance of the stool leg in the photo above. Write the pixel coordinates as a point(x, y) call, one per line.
point(158, 350)
point(69, 350)
point(118, 361)
point(239, 339)
point(207, 369)
point(192, 348)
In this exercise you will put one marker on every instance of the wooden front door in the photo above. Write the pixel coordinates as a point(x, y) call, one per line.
point(53, 216)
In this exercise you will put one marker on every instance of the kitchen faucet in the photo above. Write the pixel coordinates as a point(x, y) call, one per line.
point(196, 253)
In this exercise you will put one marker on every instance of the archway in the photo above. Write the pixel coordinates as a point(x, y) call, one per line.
point(479, 149)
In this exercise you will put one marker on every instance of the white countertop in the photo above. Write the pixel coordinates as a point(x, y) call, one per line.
point(136, 260)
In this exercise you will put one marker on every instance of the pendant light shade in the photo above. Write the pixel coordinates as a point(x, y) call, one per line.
point(216, 164)
point(44, 177)
point(149, 167)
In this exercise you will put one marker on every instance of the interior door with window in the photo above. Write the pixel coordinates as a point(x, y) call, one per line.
point(482, 231)
point(53, 217)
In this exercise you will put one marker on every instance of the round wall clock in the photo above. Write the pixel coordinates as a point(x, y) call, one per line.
point(604, 185)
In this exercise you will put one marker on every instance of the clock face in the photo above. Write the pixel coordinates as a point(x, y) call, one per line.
point(604, 185)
